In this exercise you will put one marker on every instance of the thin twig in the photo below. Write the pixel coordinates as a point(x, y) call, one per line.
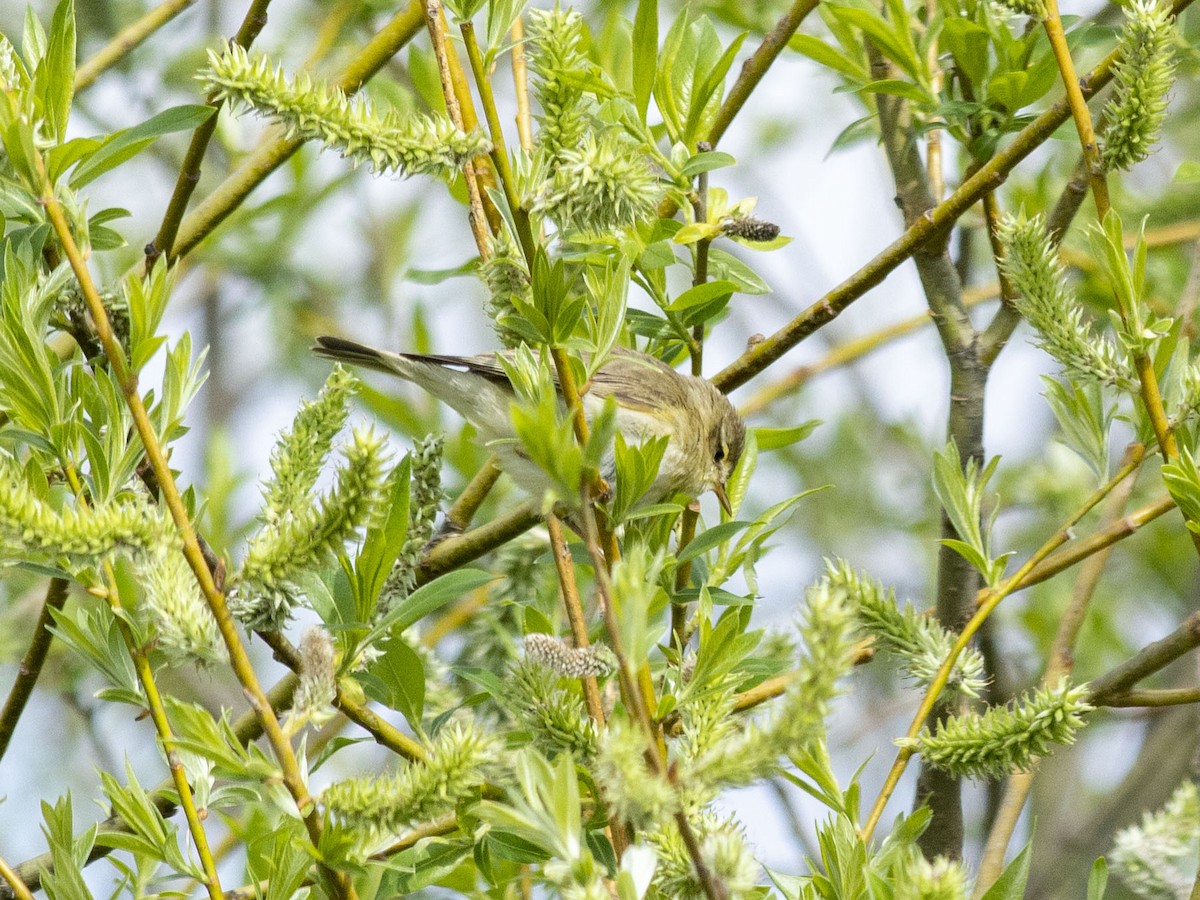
point(435, 22)
point(1146, 661)
point(1151, 698)
point(239, 660)
point(631, 694)
point(1058, 665)
point(499, 152)
point(32, 662)
point(521, 85)
point(385, 734)
point(928, 227)
point(757, 65)
point(460, 513)
point(20, 890)
point(189, 172)
point(125, 40)
point(575, 615)
point(991, 597)
point(246, 728)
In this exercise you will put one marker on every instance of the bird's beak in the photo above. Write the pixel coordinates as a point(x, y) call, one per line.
point(723, 498)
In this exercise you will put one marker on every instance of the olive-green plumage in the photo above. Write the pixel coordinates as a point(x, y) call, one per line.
point(705, 433)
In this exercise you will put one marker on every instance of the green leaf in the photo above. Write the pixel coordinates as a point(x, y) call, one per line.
point(968, 42)
point(702, 293)
point(830, 57)
point(1097, 879)
point(775, 438)
point(706, 162)
point(724, 265)
point(432, 596)
point(873, 25)
point(710, 93)
point(1188, 172)
point(397, 679)
point(1011, 883)
point(54, 77)
point(128, 143)
point(705, 541)
point(897, 88)
point(384, 541)
point(645, 54)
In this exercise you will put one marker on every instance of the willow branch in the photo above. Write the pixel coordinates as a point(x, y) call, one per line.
point(458, 551)
point(32, 662)
point(239, 660)
point(459, 108)
point(1146, 661)
point(462, 510)
point(755, 68)
point(189, 172)
point(990, 598)
point(1059, 664)
point(126, 40)
point(273, 152)
point(990, 176)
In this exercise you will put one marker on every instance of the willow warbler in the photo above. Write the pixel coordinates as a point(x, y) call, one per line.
point(705, 434)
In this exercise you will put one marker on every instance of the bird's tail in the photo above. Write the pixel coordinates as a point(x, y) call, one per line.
point(357, 354)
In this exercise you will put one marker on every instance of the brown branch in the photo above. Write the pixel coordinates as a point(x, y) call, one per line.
point(1146, 661)
point(755, 68)
point(990, 176)
point(32, 662)
point(273, 152)
point(126, 40)
point(189, 172)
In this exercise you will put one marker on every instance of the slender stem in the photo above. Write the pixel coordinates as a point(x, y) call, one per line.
point(1146, 661)
point(1148, 380)
point(20, 890)
point(385, 734)
point(932, 224)
point(246, 728)
point(990, 598)
point(31, 662)
point(457, 551)
point(435, 22)
point(933, 137)
point(683, 575)
point(1104, 537)
point(700, 274)
point(575, 615)
point(1078, 105)
point(757, 65)
point(125, 40)
point(189, 173)
point(635, 704)
point(459, 516)
point(521, 85)
point(852, 351)
point(579, 633)
point(499, 149)
point(1152, 698)
point(273, 152)
point(155, 707)
point(239, 660)
point(1059, 664)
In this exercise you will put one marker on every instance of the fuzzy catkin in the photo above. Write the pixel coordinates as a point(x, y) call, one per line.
point(406, 145)
point(1143, 76)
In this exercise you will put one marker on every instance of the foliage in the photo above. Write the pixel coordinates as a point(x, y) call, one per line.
point(571, 709)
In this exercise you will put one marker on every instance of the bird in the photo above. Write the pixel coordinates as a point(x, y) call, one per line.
point(705, 433)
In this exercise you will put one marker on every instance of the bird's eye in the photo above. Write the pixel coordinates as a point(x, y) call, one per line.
point(720, 454)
